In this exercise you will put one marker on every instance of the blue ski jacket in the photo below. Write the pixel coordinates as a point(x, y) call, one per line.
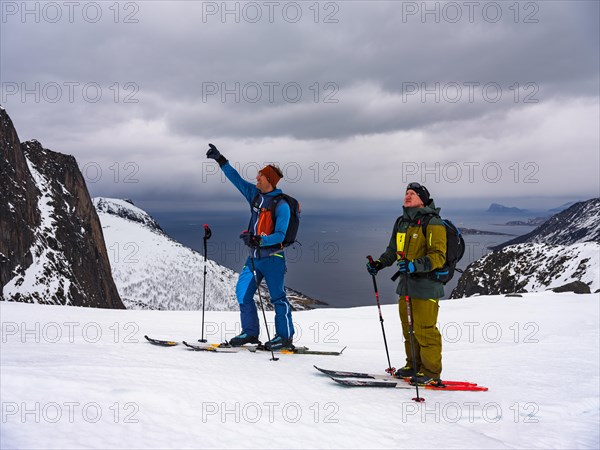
point(271, 243)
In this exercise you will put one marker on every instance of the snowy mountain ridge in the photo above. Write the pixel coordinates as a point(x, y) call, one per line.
point(578, 223)
point(563, 250)
point(153, 271)
point(126, 210)
point(531, 267)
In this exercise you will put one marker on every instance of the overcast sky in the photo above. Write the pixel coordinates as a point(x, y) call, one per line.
point(477, 100)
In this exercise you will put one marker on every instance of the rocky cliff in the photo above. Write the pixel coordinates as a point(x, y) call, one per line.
point(51, 243)
point(19, 215)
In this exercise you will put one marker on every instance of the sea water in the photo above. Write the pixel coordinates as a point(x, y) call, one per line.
point(328, 263)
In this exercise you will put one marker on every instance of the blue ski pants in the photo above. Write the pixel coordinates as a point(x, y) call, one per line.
point(272, 269)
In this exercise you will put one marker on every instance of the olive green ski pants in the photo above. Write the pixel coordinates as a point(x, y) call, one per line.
point(428, 340)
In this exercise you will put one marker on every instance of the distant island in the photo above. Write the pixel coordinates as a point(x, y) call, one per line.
point(472, 231)
point(501, 209)
point(530, 222)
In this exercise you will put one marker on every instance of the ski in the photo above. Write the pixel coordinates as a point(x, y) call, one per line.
point(301, 351)
point(285, 351)
point(212, 348)
point(366, 382)
point(225, 348)
point(372, 376)
point(161, 343)
point(199, 348)
point(217, 348)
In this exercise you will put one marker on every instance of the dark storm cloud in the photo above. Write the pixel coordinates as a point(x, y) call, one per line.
point(366, 76)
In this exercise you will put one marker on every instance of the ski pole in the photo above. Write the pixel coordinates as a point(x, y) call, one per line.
point(411, 332)
point(391, 370)
point(207, 235)
point(262, 307)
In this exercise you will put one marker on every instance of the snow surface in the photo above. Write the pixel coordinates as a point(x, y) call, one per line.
point(86, 378)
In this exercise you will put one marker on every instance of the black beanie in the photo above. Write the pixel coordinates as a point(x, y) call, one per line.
point(421, 191)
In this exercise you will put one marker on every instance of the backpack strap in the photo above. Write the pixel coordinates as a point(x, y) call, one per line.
point(423, 222)
point(255, 200)
point(253, 206)
point(275, 201)
point(398, 222)
point(272, 207)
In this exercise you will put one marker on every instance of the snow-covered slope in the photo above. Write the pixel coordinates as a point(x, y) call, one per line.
point(578, 223)
point(152, 271)
point(531, 267)
point(563, 250)
point(125, 209)
point(155, 272)
point(86, 378)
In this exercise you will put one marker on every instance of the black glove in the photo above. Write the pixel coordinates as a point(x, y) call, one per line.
point(215, 154)
point(250, 239)
point(374, 267)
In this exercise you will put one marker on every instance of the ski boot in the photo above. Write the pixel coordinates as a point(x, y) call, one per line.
point(404, 372)
point(425, 380)
point(242, 339)
point(279, 343)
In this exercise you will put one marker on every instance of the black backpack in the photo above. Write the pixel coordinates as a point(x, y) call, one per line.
point(455, 250)
point(292, 230)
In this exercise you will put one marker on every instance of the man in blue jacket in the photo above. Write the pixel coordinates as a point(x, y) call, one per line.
point(265, 238)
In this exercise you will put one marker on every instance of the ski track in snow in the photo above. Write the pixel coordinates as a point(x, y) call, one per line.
point(86, 378)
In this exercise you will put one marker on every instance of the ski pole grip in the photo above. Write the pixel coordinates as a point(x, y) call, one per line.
point(370, 258)
point(397, 274)
point(207, 232)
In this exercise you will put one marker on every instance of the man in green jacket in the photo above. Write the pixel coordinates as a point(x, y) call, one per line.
point(418, 247)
